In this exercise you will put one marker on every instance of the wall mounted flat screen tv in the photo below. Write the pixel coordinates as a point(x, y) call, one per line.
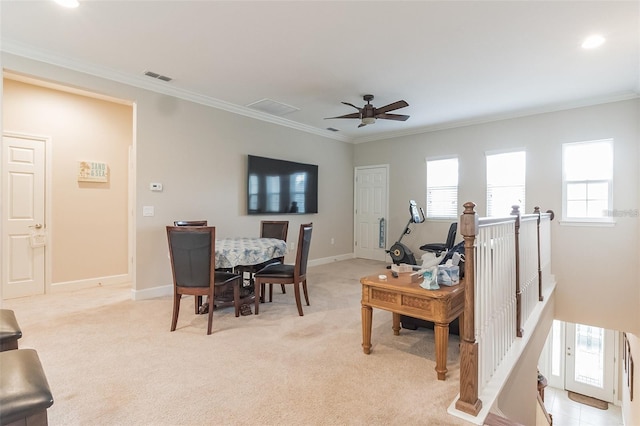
point(281, 187)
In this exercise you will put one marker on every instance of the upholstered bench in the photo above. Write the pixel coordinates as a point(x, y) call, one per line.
point(9, 330)
point(24, 390)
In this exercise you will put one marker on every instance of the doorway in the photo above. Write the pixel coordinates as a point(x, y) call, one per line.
point(81, 127)
point(581, 359)
point(371, 212)
point(590, 361)
point(24, 215)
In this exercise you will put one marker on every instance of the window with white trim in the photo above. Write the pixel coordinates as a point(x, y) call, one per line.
point(442, 188)
point(587, 181)
point(506, 173)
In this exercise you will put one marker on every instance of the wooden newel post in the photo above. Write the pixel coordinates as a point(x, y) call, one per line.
point(468, 401)
point(519, 329)
point(536, 210)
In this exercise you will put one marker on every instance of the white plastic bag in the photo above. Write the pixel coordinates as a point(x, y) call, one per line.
point(430, 278)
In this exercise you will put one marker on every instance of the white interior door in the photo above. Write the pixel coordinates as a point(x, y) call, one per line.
point(589, 361)
point(371, 213)
point(23, 215)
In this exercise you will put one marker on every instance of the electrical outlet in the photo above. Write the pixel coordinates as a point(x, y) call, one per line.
point(292, 246)
point(333, 241)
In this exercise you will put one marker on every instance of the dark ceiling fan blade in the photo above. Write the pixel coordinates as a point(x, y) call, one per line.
point(347, 103)
point(354, 115)
point(391, 107)
point(398, 117)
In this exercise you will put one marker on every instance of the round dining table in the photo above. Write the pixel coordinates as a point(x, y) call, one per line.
point(231, 252)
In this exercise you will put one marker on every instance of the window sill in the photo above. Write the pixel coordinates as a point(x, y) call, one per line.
point(442, 219)
point(588, 223)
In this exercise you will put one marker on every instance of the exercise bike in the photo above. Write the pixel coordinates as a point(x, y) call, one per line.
point(399, 252)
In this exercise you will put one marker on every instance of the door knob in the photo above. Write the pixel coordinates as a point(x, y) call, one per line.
point(37, 226)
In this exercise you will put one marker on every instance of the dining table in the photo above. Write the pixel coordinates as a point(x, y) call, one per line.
point(232, 252)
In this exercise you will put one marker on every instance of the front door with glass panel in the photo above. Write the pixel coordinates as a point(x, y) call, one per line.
point(589, 361)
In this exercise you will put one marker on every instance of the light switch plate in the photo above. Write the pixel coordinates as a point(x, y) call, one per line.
point(148, 211)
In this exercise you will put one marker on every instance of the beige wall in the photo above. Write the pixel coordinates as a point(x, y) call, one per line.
point(199, 154)
point(594, 266)
point(89, 226)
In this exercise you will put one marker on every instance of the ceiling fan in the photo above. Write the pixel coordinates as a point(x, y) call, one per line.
point(368, 113)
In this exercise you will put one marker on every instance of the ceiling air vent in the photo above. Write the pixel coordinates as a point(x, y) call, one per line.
point(157, 76)
point(272, 107)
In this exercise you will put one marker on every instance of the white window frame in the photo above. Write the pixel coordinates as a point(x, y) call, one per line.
point(604, 220)
point(440, 213)
point(523, 185)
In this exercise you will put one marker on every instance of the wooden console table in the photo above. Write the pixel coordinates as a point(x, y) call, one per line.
point(402, 297)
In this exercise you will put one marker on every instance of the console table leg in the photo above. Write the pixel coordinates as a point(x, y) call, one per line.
point(396, 324)
point(441, 332)
point(367, 315)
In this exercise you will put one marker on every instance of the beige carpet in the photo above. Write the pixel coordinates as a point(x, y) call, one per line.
point(112, 361)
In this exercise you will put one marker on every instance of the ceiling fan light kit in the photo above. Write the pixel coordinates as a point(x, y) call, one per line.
point(368, 113)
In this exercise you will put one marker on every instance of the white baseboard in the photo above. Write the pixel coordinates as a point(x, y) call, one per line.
point(331, 259)
point(151, 293)
point(90, 282)
point(167, 290)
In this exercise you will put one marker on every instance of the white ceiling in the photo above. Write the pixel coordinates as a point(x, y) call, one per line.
point(454, 62)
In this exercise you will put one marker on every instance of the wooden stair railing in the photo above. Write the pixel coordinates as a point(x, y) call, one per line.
point(527, 293)
point(519, 326)
point(468, 401)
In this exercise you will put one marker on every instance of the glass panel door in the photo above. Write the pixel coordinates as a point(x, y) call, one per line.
point(590, 361)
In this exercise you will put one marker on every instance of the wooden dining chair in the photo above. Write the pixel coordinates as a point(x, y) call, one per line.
point(193, 257)
point(268, 229)
point(192, 223)
point(279, 273)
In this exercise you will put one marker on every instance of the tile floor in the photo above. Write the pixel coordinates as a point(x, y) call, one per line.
point(566, 412)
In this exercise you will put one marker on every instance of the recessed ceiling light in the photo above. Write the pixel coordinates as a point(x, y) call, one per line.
point(593, 41)
point(68, 3)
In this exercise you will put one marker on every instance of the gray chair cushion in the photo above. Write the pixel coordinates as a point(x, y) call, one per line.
point(9, 328)
point(24, 389)
point(276, 270)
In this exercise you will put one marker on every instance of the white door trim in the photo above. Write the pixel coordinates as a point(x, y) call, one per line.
point(131, 270)
point(48, 173)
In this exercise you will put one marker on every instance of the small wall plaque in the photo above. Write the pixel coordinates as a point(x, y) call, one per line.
point(92, 171)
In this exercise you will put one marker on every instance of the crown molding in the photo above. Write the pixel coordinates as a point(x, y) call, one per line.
point(143, 82)
point(503, 116)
